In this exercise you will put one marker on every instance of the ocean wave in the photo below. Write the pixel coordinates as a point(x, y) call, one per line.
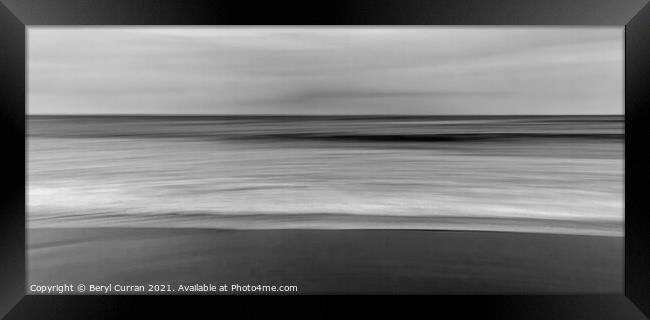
point(338, 137)
point(328, 221)
point(505, 173)
point(433, 137)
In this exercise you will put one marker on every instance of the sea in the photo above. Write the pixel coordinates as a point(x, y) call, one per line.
point(545, 174)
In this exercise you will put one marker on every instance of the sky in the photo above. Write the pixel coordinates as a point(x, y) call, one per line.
point(325, 70)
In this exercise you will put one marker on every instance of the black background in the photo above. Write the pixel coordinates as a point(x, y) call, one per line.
point(15, 14)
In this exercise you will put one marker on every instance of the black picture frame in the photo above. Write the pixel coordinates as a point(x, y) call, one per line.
point(632, 15)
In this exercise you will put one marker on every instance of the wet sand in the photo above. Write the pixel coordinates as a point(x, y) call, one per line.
point(330, 261)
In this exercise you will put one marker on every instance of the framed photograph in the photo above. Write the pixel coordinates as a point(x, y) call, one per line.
point(233, 153)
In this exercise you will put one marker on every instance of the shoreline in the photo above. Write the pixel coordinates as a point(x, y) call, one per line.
point(331, 261)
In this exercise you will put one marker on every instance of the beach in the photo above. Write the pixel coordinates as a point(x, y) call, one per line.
point(330, 261)
point(325, 160)
point(330, 204)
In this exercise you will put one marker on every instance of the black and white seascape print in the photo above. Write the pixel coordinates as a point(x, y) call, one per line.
point(229, 160)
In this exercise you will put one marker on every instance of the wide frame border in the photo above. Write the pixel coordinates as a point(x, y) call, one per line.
point(17, 15)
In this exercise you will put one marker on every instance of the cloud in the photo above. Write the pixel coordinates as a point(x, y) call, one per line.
point(226, 70)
